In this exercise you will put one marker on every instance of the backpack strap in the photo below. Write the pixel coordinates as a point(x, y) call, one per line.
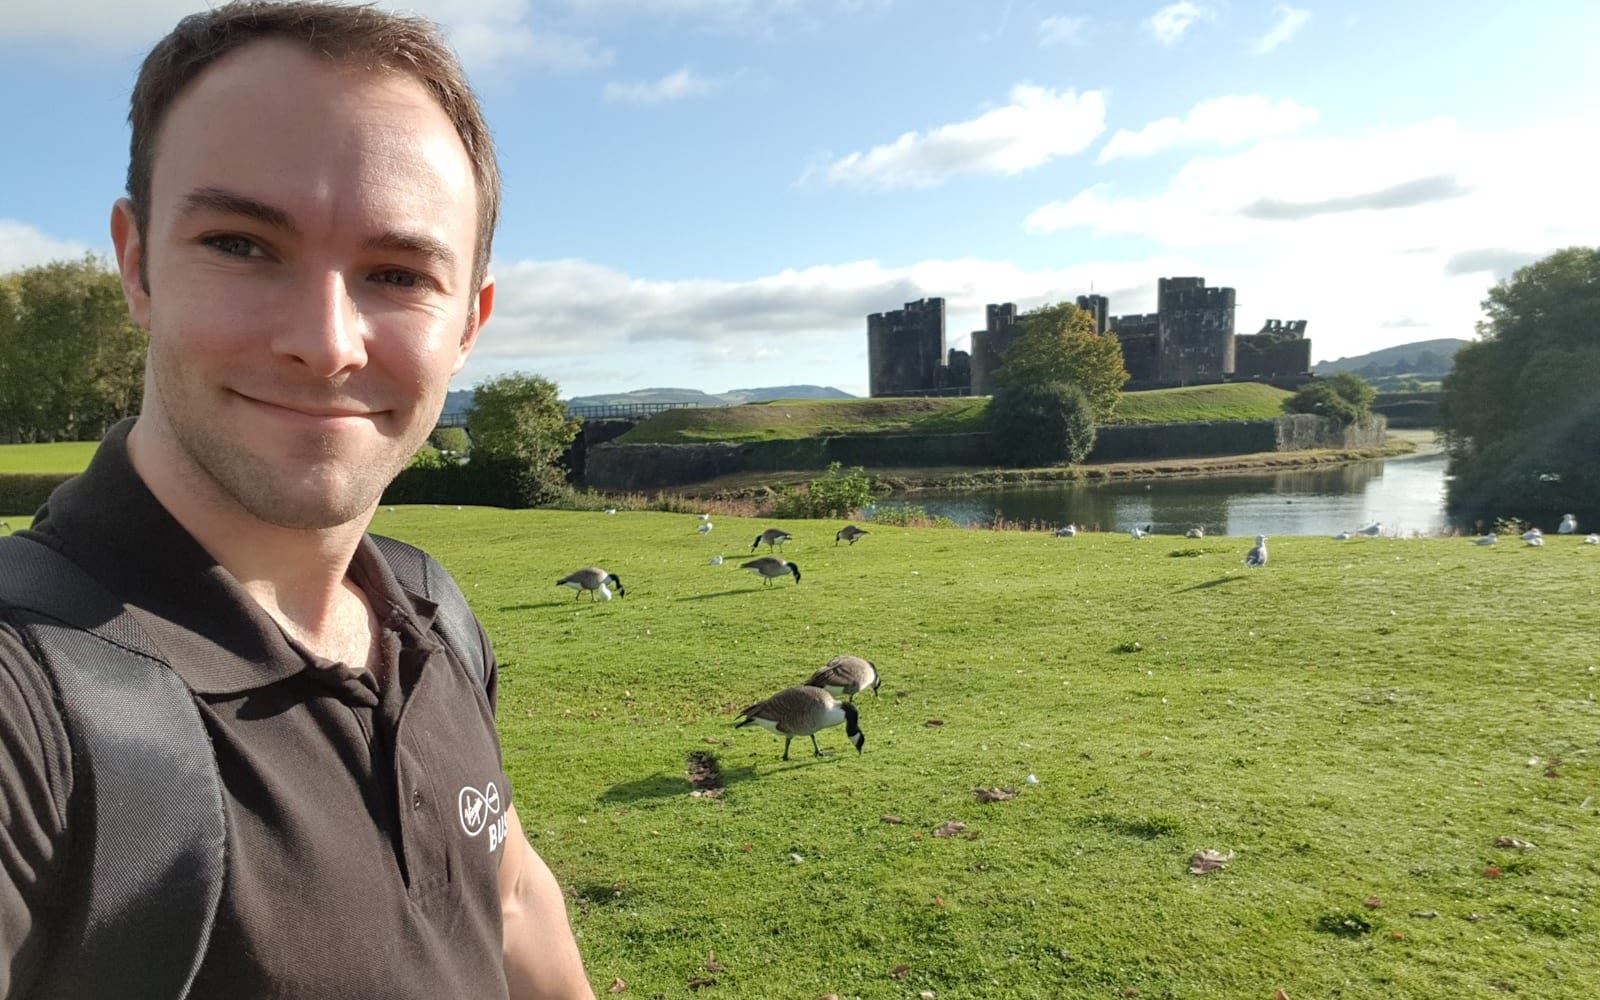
point(146, 778)
point(454, 622)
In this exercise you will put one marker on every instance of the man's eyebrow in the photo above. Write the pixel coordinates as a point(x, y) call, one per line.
point(222, 201)
point(415, 244)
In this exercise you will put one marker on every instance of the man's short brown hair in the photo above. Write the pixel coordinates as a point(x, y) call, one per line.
point(360, 36)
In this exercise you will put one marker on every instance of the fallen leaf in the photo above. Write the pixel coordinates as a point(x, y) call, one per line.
point(617, 985)
point(938, 902)
point(1398, 935)
point(1280, 995)
point(995, 794)
point(1521, 845)
point(894, 820)
point(829, 996)
point(1491, 872)
point(933, 723)
point(748, 848)
point(701, 982)
point(1372, 902)
point(1147, 753)
point(712, 965)
point(1425, 914)
point(1130, 992)
point(926, 995)
point(950, 829)
point(1207, 861)
point(900, 972)
point(973, 835)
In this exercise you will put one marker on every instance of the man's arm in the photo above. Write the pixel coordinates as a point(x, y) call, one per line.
point(541, 955)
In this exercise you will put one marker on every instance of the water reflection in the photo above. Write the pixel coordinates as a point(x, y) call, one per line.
point(1406, 494)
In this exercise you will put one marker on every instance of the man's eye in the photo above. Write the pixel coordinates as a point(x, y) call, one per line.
point(233, 246)
point(399, 279)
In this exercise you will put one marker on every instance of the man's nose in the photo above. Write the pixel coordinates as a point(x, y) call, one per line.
point(324, 329)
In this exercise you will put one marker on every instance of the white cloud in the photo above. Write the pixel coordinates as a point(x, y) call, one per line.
point(1290, 21)
point(1062, 30)
point(1331, 229)
point(1038, 125)
point(22, 245)
point(1223, 121)
point(677, 86)
point(1169, 24)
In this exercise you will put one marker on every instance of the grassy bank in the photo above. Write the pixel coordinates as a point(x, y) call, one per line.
point(787, 420)
point(1360, 724)
point(57, 458)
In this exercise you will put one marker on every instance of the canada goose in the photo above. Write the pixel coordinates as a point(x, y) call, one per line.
point(1569, 525)
point(802, 711)
point(1195, 532)
point(772, 536)
point(1070, 531)
point(592, 579)
point(848, 533)
point(771, 567)
point(1258, 555)
point(847, 675)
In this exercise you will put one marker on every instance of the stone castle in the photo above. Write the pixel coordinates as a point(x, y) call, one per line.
point(1188, 340)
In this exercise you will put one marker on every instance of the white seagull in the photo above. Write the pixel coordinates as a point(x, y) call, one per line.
point(1591, 539)
point(1487, 540)
point(1343, 536)
point(704, 528)
point(1569, 525)
point(1258, 555)
point(1069, 531)
point(1137, 532)
point(1372, 530)
point(1532, 533)
point(1195, 532)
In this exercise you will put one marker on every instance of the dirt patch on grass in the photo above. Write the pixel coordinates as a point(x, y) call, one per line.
point(705, 776)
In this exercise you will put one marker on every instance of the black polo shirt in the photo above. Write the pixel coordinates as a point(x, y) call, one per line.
point(365, 821)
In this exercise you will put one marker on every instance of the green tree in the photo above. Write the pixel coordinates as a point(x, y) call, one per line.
point(1344, 396)
point(71, 359)
point(1041, 424)
point(1058, 344)
point(1521, 411)
point(453, 441)
point(518, 422)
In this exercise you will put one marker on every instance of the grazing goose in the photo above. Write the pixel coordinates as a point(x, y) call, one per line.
point(772, 536)
point(847, 675)
point(1258, 555)
point(848, 533)
point(1195, 532)
point(1070, 531)
point(1569, 525)
point(593, 579)
point(802, 711)
point(1486, 540)
point(771, 567)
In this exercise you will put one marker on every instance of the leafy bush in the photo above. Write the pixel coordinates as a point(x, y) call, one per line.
point(25, 492)
point(1345, 397)
point(837, 494)
point(451, 440)
point(910, 516)
point(1041, 424)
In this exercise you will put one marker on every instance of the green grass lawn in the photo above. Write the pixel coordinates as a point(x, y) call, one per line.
point(58, 457)
point(790, 419)
point(1358, 723)
point(1234, 401)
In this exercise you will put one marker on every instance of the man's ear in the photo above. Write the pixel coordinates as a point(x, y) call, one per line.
point(481, 311)
point(130, 261)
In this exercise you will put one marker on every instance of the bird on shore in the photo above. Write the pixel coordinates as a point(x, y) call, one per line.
point(1137, 532)
point(803, 711)
point(705, 517)
point(1569, 525)
point(704, 528)
point(848, 533)
point(1532, 533)
point(771, 567)
point(1534, 540)
point(1372, 530)
point(1195, 532)
point(1070, 531)
point(847, 675)
point(1591, 539)
point(1343, 536)
point(593, 579)
point(1487, 540)
point(1258, 555)
point(772, 537)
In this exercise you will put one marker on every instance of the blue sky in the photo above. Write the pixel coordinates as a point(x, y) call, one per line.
point(714, 193)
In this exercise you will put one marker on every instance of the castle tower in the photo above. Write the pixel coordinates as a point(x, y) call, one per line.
point(989, 345)
point(905, 349)
point(1195, 343)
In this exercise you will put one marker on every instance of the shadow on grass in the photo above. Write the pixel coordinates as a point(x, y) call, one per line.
point(662, 785)
point(720, 593)
point(579, 603)
point(1219, 581)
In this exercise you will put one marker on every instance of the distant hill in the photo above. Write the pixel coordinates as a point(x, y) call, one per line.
point(1425, 357)
point(738, 396)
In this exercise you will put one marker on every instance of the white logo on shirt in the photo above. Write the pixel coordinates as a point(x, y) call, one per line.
point(477, 807)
